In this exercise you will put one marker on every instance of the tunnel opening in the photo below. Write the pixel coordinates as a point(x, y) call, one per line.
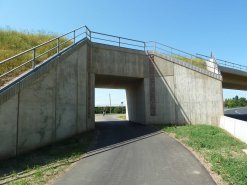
point(110, 105)
point(119, 98)
point(127, 96)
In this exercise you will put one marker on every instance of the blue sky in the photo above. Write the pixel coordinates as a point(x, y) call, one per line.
point(196, 26)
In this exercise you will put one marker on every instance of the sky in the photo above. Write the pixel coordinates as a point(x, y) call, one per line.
point(195, 26)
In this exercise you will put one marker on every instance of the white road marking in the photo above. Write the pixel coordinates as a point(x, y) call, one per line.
point(237, 112)
point(196, 172)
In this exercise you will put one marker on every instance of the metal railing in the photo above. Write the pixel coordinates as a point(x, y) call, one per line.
point(29, 59)
point(63, 42)
point(182, 56)
point(56, 45)
point(117, 41)
point(225, 63)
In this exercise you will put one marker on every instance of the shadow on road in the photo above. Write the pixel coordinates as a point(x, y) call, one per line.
point(240, 114)
point(52, 154)
point(107, 135)
point(118, 132)
point(242, 117)
point(130, 153)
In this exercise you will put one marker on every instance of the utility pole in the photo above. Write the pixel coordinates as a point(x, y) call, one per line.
point(110, 101)
point(122, 107)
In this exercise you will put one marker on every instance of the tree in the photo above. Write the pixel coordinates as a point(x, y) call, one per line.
point(114, 109)
point(235, 102)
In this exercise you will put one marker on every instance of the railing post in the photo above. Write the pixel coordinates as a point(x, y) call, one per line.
point(74, 36)
point(144, 46)
point(90, 36)
point(34, 57)
point(88, 33)
point(119, 41)
point(57, 45)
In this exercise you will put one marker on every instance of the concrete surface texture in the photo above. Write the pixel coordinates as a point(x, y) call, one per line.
point(56, 100)
point(48, 105)
point(233, 78)
point(237, 128)
point(184, 95)
point(159, 90)
point(128, 153)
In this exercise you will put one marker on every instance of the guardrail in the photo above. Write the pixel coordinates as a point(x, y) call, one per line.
point(56, 45)
point(31, 57)
point(225, 63)
point(117, 40)
point(182, 56)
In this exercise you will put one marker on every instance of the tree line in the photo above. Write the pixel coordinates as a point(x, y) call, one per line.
point(235, 102)
point(114, 110)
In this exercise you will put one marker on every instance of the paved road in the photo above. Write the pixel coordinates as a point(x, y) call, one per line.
point(132, 154)
point(107, 117)
point(238, 113)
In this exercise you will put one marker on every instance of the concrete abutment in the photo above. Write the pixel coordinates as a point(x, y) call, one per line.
point(56, 101)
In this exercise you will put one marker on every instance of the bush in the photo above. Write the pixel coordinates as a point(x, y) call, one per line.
point(114, 110)
point(235, 102)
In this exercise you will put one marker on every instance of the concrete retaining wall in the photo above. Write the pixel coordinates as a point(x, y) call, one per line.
point(183, 94)
point(48, 105)
point(235, 127)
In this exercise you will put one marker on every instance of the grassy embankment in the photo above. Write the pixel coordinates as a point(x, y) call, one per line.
point(194, 61)
point(13, 43)
point(222, 151)
point(40, 166)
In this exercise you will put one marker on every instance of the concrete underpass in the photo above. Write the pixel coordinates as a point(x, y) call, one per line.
point(58, 96)
point(56, 100)
point(135, 109)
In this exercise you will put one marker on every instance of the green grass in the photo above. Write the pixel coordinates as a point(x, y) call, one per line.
point(40, 166)
point(13, 43)
point(194, 61)
point(218, 148)
point(123, 117)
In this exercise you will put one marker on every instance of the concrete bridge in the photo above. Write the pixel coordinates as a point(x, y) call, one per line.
point(234, 78)
point(55, 100)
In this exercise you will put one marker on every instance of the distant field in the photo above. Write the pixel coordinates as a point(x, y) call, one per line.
point(13, 43)
point(122, 116)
